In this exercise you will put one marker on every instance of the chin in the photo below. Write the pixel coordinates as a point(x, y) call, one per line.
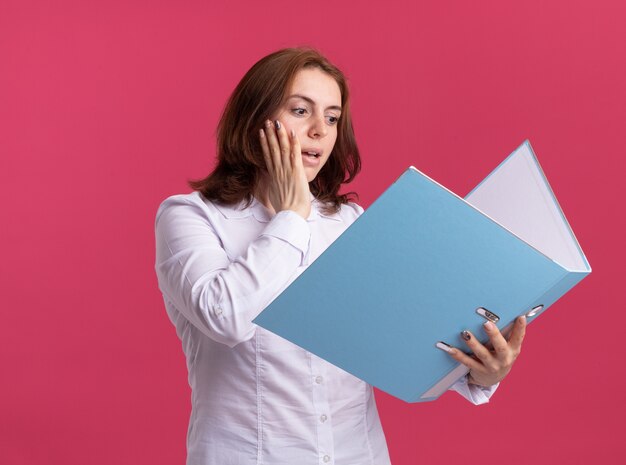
point(310, 175)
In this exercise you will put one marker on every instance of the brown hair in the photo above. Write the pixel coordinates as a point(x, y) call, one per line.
point(255, 99)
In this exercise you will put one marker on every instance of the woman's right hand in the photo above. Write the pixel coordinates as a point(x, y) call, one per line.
point(288, 188)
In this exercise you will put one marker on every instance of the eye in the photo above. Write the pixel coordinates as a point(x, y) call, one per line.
point(332, 119)
point(299, 111)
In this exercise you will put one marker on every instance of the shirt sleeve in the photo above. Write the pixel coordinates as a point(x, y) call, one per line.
point(219, 296)
point(477, 395)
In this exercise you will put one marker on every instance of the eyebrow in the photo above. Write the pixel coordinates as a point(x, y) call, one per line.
point(310, 100)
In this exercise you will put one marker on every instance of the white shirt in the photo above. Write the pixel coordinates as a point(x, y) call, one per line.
point(257, 398)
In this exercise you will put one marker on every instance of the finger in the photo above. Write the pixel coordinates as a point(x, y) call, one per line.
point(284, 144)
point(266, 151)
point(517, 336)
point(499, 344)
point(272, 142)
point(479, 350)
point(465, 359)
point(296, 151)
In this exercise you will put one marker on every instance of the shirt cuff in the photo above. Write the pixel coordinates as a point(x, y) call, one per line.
point(290, 227)
point(477, 395)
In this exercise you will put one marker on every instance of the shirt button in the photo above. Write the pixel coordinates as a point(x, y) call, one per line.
point(319, 379)
point(323, 418)
point(326, 458)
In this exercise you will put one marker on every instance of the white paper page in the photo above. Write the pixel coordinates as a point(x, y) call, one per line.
point(517, 196)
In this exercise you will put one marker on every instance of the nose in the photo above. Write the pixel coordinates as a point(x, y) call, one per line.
point(318, 127)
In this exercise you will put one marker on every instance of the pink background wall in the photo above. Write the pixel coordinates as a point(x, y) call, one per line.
point(108, 107)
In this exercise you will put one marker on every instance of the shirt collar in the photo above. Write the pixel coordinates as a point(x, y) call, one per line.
point(262, 214)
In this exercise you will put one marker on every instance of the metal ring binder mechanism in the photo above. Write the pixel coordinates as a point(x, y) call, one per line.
point(482, 311)
point(421, 260)
point(534, 311)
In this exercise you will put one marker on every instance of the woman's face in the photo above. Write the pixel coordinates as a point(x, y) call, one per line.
point(312, 108)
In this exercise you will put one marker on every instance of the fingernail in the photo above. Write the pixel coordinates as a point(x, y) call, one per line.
point(466, 335)
point(488, 325)
point(268, 123)
point(261, 133)
point(443, 346)
point(523, 318)
point(277, 124)
point(293, 134)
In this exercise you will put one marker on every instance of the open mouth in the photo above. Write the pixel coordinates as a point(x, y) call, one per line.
point(311, 154)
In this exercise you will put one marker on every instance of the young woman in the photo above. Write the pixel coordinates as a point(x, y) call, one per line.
point(270, 207)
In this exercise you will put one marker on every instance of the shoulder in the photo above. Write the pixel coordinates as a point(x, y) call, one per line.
point(351, 211)
point(178, 200)
point(193, 209)
point(353, 208)
point(347, 213)
point(185, 206)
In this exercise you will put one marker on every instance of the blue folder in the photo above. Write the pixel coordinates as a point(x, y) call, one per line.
point(417, 268)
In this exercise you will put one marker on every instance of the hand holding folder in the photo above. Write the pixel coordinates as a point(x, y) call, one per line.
point(424, 265)
point(492, 362)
